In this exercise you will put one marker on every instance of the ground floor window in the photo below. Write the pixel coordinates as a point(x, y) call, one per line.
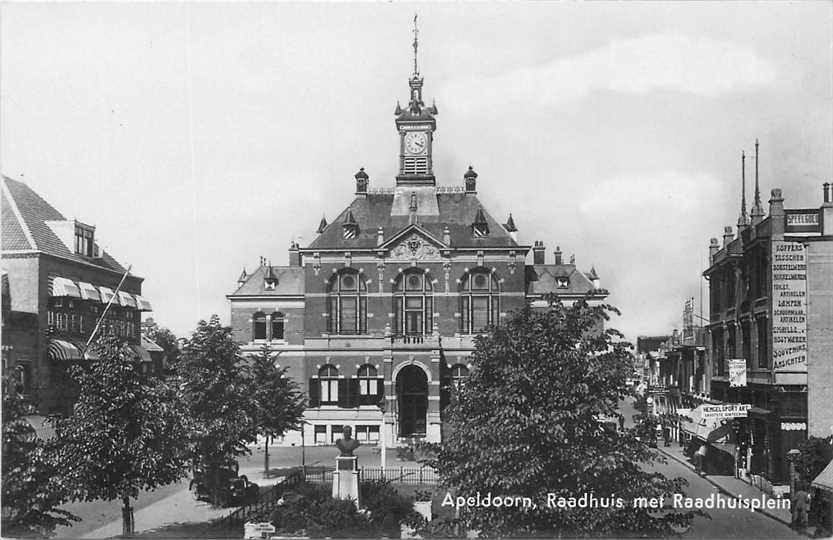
point(320, 434)
point(336, 433)
point(367, 433)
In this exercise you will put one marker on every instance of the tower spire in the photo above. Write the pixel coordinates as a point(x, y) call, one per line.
point(416, 45)
point(743, 219)
point(757, 207)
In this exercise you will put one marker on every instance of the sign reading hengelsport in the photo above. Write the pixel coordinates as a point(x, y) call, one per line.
point(789, 306)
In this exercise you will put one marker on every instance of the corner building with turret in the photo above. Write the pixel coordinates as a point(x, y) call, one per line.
point(376, 317)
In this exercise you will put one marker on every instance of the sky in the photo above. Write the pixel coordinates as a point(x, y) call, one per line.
point(198, 137)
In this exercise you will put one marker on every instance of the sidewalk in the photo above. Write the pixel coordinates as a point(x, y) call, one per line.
point(729, 485)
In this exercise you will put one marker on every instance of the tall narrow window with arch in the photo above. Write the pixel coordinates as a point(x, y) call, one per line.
point(277, 325)
point(347, 303)
point(413, 303)
point(459, 374)
point(371, 386)
point(479, 301)
point(328, 385)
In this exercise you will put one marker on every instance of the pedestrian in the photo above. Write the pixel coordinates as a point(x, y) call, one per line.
point(800, 508)
point(666, 435)
point(699, 459)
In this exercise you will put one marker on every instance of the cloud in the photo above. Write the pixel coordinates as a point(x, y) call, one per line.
point(659, 62)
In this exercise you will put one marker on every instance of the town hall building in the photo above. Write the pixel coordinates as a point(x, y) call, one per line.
point(376, 317)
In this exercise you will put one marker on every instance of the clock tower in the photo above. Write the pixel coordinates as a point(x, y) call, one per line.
point(416, 125)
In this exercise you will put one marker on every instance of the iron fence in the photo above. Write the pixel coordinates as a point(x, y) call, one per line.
point(397, 475)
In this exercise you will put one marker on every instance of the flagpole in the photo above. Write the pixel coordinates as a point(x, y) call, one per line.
point(107, 308)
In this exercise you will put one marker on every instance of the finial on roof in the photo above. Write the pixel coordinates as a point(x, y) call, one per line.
point(757, 206)
point(322, 225)
point(243, 276)
point(416, 45)
point(510, 224)
point(398, 109)
point(593, 274)
point(743, 218)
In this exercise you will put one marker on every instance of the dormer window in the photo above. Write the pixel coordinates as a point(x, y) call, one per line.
point(84, 244)
point(562, 282)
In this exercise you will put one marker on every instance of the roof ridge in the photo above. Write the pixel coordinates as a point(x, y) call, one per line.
point(13, 203)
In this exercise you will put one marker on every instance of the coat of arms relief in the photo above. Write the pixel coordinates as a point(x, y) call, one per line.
point(414, 247)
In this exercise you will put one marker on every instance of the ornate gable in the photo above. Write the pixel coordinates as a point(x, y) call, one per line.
point(413, 244)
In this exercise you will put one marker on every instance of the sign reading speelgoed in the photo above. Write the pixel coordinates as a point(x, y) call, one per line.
point(737, 372)
point(802, 221)
point(789, 307)
point(727, 410)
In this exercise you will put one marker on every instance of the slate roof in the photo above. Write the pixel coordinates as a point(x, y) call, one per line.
point(35, 212)
point(457, 211)
point(541, 279)
point(290, 282)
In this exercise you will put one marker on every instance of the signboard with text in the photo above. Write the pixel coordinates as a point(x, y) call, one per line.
point(727, 410)
point(802, 221)
point(789, 307)
point(737, 372)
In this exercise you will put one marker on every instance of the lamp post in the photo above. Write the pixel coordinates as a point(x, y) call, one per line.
point(382, 407)
point(791, 457)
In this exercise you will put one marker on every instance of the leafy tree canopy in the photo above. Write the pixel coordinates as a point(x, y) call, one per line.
point(33, 488)
point(279, 402)
point(534, 419)
point(218, 393)
point(162, 337)
point(126, 431)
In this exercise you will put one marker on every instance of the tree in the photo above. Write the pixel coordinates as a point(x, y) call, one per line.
point(33, 488)
point(163, 337)
point(279, 403)
point(217, 391)
point(125, 433)
point(530, 422)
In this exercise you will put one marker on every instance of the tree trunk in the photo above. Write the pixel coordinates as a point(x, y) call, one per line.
point(266, 458)
point(127, 518)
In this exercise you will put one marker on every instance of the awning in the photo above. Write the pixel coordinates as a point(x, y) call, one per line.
point(126, 299)
point(60, 349)
point(106, 294)
point(720, 432)
point(151, 346)
point(142, 304)
point(144, 356)
point(88, 291)
point(824, 480)
point(63, 287)
point(728, 448)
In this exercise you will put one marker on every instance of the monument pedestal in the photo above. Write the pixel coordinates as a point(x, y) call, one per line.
point(346, 479)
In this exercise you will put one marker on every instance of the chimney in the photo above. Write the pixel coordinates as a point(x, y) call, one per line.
point(714, 247)
point(471, 181)
point(728, 235)
point(827, 209)
point(538, 252)
point(294, 254)
point(361, 182)
point(776, 214)
point(557, 254)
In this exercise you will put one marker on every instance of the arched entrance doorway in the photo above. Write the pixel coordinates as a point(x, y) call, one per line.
point(412, 397)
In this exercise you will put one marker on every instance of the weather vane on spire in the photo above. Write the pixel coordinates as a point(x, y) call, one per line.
point(416, 44)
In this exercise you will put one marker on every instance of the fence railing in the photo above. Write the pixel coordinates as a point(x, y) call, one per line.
point(397, 475)
point(266, 500)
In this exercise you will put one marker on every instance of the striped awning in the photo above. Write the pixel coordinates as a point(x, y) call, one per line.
point(824, 480)
point(60, 349)
point(88, 291)
point(60, 286)
point(126, 299)
point(106, 294)
point(142, 303)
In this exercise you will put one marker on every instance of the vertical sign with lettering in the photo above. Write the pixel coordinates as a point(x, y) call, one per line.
point(789, 307)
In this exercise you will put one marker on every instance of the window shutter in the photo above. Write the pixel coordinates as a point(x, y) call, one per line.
point(354, 392)
point(314, 393)
point(344, 393)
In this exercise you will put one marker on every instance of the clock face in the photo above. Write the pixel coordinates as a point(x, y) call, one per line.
point(415, 142)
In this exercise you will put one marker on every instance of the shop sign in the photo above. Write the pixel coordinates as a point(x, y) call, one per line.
point(793, 426)
point(737, 372)
point(727, 410)
point(789, 307)
point(802, 221)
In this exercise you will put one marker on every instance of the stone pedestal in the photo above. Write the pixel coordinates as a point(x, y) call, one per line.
point(346, 479)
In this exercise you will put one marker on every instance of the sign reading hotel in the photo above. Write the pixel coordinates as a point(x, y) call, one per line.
point(737, 372)
point(789, 307)
point(727, 410)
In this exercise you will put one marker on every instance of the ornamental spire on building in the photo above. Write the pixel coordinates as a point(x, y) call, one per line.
point(757, 207)
point(416, 126)
point(743, 218)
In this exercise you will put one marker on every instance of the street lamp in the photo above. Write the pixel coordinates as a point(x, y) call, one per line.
point(791, 457)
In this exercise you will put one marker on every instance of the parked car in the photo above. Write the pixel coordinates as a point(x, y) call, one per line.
point(225, 488)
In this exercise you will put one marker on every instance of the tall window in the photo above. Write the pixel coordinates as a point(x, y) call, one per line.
point(84, 241)
point(413, 304)
point(368, 381)
point(328, 381)
point(259, 325)
point(277, 325)
point(718, 352)
point(746, 336)
point(479, 301)
point(459, 374)
point(347, 304)
point(763, 342)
